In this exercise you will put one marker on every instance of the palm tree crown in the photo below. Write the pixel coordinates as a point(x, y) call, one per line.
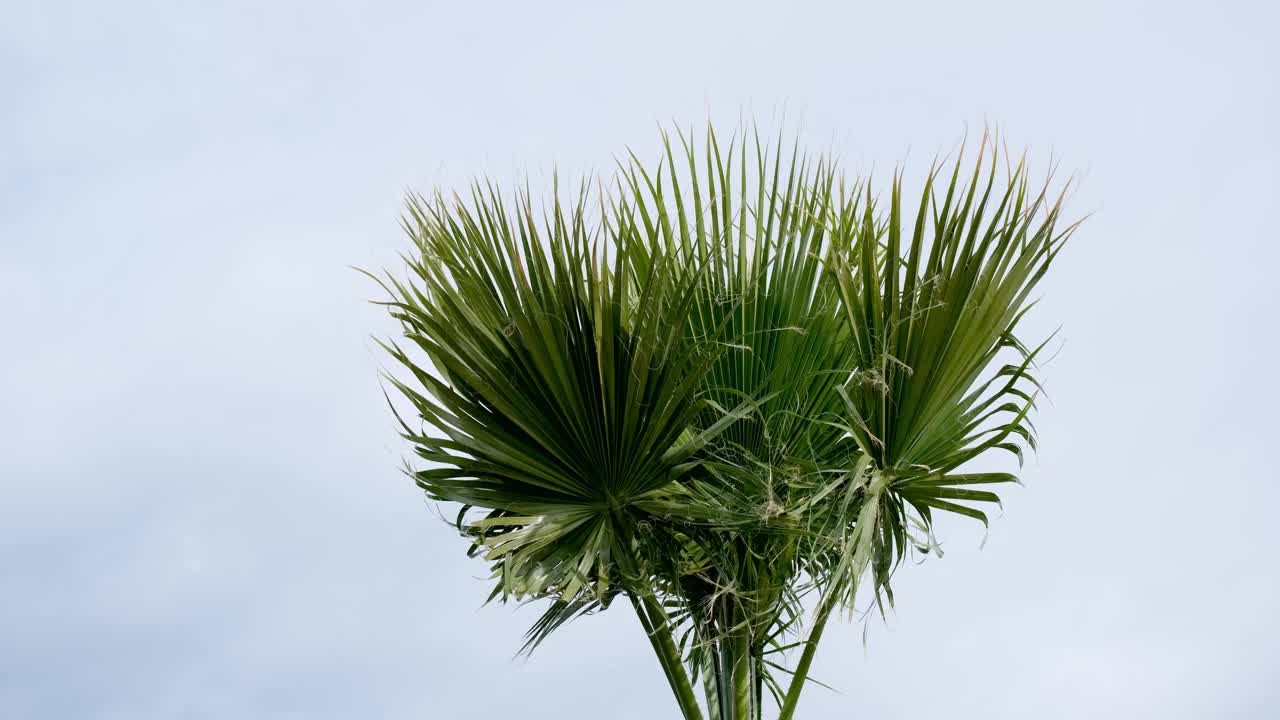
point(719, 388)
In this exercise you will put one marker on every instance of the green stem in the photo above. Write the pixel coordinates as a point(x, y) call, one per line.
point(657, 626)
point(735, 665)
point(722, 680)
point(757, 683)
point(851, 567)
point(711, 683)
point(741, 676)
point(806, 656)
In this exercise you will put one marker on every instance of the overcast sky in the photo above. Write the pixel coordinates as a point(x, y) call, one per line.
point(201, 513)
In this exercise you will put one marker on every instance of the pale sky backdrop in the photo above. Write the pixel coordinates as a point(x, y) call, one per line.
point(201, 512)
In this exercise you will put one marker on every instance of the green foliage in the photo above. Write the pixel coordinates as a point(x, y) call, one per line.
point(727, 385)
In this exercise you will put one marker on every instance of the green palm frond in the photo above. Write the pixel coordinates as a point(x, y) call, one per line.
point(558, 394)
point(932, 310)
point(759, 218)
point(932, 314)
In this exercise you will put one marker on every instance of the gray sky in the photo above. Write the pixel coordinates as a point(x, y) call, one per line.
point(201, 513)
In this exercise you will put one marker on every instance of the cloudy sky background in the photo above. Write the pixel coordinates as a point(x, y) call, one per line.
point(201, 513)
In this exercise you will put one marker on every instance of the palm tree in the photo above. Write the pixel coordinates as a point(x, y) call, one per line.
point(733, 390)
